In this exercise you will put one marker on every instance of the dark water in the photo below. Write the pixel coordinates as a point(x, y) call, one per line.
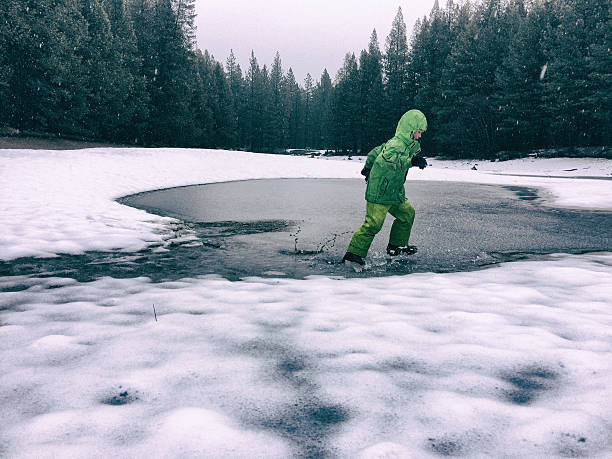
point(301, 227)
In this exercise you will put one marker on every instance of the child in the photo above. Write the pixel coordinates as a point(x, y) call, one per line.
point(385, 172)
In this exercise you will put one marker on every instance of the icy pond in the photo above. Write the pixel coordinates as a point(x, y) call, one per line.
point(301, 227)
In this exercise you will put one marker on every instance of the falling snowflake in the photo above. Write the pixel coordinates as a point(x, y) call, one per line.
point(543, 72)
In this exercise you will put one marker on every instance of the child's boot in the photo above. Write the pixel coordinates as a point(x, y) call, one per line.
point(348, 256)
point(395, 250)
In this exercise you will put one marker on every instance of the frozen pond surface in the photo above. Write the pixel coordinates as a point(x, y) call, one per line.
point(301, 227)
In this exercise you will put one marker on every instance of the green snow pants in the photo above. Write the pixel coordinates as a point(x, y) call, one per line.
point(375, 217)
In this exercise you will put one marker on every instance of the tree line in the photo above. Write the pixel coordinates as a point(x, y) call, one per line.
point(491, 75)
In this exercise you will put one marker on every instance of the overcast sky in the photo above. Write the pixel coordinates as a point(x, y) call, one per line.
point(309, 35)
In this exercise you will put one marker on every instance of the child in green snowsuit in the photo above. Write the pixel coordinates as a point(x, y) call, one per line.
point(385, 171)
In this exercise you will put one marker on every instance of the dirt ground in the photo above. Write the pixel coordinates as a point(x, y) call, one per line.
point(40, 143)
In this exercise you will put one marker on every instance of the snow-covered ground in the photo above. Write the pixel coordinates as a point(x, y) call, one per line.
point(511, 361)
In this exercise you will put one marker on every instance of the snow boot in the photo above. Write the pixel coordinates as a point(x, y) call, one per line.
point(348, 256)
point(395, 250)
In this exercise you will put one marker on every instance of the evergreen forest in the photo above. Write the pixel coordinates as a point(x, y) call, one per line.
point(490, 75)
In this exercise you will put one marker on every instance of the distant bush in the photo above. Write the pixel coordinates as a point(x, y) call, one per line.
point(561, 152)
point(6, 131)
point(574, 152)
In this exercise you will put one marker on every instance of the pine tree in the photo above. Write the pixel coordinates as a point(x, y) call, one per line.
point(321, 113)
point(346, 110)
point(254, 106)
point(373, 130)
point(222, 113)
point(563, 77)
point(280, 123)
point(598, 97)
point(431, 45)
point(575, 94)
point(171, 118)
point(519, 80)
point(185, 17)
point(205, 101)
point(593, 39)
point(141, 14)
point(468, 113)
point(45, 76)
point(396, 69)
point(295, 111)
point(236, 101)
point(132, 107)
point(7, 22)
point(308, 111)
point(104, 79)
point(269, 136)
point(211, 104)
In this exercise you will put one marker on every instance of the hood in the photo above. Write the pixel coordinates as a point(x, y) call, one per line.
point(412, 120)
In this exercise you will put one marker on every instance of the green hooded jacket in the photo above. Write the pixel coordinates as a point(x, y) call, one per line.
point(389, 162)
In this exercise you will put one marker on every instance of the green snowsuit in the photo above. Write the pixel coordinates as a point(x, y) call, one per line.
point(389, 164)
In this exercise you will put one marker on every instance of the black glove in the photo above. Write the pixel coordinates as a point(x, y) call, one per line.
point(419, 162)
point(366, 173)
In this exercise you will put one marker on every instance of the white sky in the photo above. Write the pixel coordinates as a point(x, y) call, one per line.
point(309, 35)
